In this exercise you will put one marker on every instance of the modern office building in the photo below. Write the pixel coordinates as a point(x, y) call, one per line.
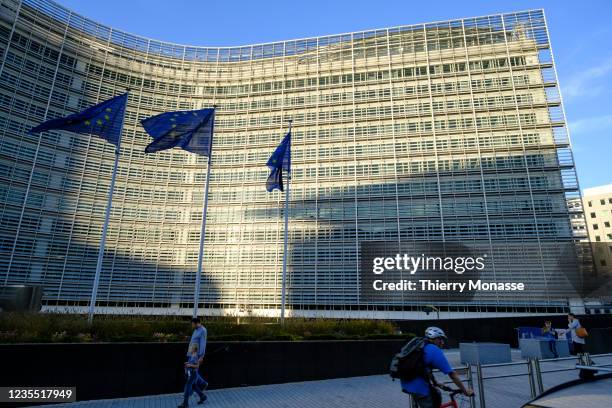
point(577, 219)
point(447, 131)
point(597, 204)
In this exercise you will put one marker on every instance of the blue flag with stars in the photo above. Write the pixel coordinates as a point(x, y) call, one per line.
point(104, 119)
point(279, 161)
point(189, 130)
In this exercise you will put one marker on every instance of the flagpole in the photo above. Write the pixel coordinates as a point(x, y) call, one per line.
point(94, 290)
point(196, 295)
point(284, 276)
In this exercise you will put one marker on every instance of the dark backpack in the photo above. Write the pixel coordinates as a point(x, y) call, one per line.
point(408, 363)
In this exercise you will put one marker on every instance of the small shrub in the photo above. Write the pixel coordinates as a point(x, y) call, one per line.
point(59, 336)
point(233, 337)
point(46, 327)
point(84, 337)
point(380, 336)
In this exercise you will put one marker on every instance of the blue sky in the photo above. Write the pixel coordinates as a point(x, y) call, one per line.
point(580, 32)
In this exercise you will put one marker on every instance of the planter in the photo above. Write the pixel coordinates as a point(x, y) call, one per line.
point(115, 370)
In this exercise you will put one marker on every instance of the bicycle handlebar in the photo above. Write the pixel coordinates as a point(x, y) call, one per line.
point(452, 391)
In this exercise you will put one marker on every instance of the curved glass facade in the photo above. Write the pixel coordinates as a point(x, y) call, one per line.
point(445, 131)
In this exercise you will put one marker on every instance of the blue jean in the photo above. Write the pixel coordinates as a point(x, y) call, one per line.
point(194, 383)
point(422, 401)
point(553, 347)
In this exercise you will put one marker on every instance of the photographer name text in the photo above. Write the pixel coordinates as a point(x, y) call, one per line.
point(439, 286)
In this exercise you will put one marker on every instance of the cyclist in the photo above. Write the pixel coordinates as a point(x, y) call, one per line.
point(422, 389)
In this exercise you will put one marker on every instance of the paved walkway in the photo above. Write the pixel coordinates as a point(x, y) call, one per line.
point(589, 394)
point(376, 391)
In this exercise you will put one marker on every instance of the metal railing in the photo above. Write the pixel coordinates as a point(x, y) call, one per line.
point(594, 368)
point(533, 371)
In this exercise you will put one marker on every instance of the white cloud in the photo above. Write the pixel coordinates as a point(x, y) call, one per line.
point(583, 85)
point(592, 125)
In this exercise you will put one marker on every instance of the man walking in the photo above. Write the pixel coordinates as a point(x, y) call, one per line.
point(198, 336)
point(195, 356)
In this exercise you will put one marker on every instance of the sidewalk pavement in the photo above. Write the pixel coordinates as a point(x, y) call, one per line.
point(377, 391)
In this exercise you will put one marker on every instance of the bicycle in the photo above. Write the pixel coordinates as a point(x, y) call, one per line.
point(452, 392)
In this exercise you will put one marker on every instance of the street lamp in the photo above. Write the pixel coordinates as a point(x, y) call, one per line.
point(431, 308)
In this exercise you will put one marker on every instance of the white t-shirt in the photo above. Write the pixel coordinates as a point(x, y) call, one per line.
point(573, 326)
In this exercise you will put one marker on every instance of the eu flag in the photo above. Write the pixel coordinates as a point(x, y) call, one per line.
point(189, 130)
point(279, 161)
point(104, 120)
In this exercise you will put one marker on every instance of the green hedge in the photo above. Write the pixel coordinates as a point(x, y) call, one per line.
point(62, 328)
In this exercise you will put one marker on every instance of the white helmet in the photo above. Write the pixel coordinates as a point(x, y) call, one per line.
point(434, 333)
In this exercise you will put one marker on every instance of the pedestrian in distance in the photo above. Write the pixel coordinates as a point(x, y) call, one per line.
point(549, 333)
point(577, 334)
point(194, 382)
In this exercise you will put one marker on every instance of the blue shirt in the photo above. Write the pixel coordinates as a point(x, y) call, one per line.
point(199, 337)
point(433, 358)
point(192, 360)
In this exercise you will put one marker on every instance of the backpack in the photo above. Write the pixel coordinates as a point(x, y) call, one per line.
point(408, 363)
